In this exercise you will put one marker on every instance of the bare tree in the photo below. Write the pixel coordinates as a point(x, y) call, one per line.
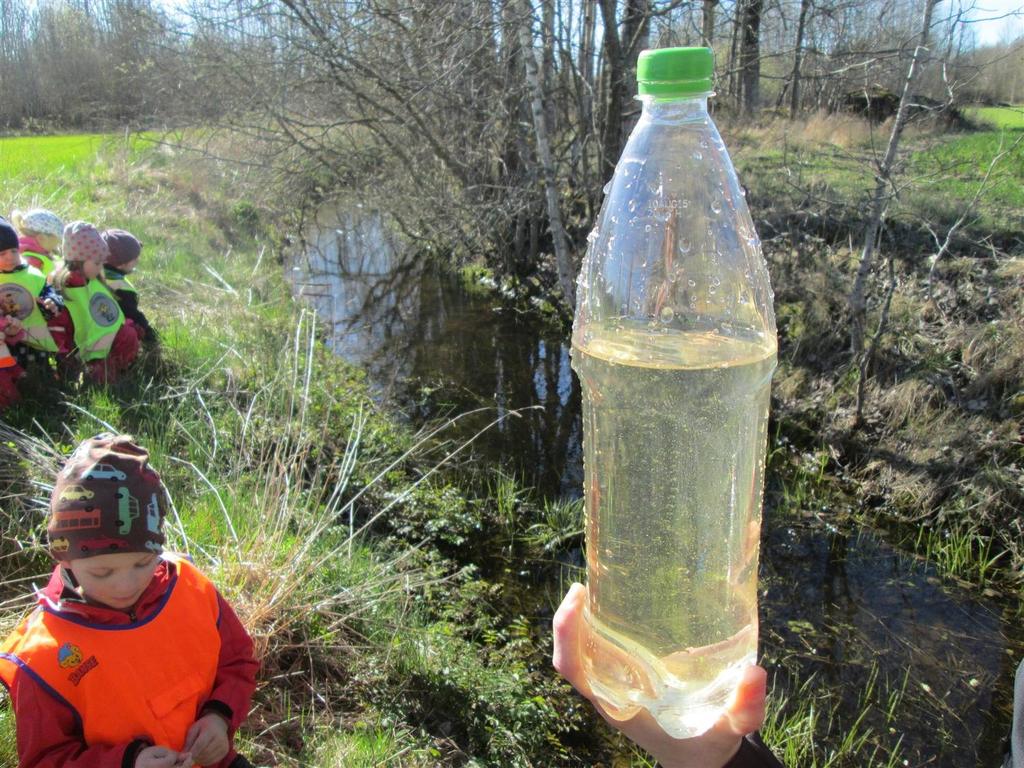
point(563, 259)
point(622, 45)
point(879, 202)
point(750, 55)
point(707, 33)
point(794, 85)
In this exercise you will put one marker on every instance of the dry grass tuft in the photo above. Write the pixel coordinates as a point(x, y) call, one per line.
point(912, 401)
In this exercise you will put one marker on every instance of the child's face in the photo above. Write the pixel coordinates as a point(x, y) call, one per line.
point(118, 579)
point(91, 269)
point(49, 242)
point(9, 260)
point(129, 266)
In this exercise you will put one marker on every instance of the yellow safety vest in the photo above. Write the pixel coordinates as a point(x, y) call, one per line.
point(118, 281)
point(18, 293)
point(97, 318)
point(47, 262)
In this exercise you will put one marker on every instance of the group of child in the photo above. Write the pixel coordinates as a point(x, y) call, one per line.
point(131, 657)
point(65, 297)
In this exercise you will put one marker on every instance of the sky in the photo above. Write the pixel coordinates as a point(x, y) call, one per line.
point(990, 29)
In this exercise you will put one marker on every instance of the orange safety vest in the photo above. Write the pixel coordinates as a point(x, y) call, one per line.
point(145, 680)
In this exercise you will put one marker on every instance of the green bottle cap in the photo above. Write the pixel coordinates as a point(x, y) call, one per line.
point(667, 72)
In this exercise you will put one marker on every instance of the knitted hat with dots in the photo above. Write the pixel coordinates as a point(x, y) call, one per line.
point(83, 243)
point(8, 235)
point(123, 246)
point(38, 221)
point(106, 499)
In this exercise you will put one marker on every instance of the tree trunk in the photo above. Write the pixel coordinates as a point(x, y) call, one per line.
point(708, 22)
point(733, 66)
point(879, 202)
point(548, 61)
point(611, 135)
point(794, 93)
point(636, 29)
point(585, 66)
point(750, 56)
point(621, 48)
point(563, 259)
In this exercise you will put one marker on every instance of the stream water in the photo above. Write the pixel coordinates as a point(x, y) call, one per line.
point(844, 612)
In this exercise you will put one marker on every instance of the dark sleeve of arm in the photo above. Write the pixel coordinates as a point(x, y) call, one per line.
point(49, 734)
point(49, 292)
point(754, 754)
point(129, 301)
point(236, 670)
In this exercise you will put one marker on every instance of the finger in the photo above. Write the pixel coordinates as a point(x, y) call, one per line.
point(746, 711)
point(206, 755)
point(568, 630)
point(191, 735)
point(201, 744)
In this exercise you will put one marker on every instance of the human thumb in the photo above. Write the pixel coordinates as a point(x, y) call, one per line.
point(747, 710)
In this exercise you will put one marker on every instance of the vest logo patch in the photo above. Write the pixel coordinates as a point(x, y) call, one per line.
point(103, 310)
point(69, 656)
point(88, 665)
point(15, 300)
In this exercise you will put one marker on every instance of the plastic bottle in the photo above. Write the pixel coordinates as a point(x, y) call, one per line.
point(674, 343)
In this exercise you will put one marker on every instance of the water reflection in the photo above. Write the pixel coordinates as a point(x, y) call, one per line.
point(436, 349)
point(836, 606)
point(841, 605)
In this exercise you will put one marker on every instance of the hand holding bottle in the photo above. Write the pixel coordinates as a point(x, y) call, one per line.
point(712, 749)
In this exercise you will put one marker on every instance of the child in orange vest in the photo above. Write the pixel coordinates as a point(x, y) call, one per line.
point(131, 659)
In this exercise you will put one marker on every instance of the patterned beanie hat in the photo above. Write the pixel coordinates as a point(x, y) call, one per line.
point(123, 247)
point(8, 235)
point(39, 221)
point(83, 243)
point(106, 499)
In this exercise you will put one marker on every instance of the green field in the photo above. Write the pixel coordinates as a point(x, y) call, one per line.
point(999, 117)
point(32, 157)
point(60, 172)
point(937, 175)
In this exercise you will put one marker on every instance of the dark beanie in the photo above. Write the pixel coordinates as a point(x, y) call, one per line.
point(8, 235)
point(106, 499)
point(123, 247)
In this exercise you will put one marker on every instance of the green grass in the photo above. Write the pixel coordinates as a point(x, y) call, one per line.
point(35, 157)
point(947, 176)
point(796, 718)
point(938, 178)
point(370, 746)
point(966, 555)
point(999, 117)
point(63, 173)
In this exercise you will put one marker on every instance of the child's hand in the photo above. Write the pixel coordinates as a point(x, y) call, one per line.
point(49, 305)
point(13, 326)
point(161, 757)
point(712, 749)
point(207, 739)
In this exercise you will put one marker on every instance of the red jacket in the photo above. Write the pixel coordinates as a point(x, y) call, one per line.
point(47, 733)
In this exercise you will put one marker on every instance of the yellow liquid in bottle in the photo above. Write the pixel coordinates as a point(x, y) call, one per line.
point(674, 438)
